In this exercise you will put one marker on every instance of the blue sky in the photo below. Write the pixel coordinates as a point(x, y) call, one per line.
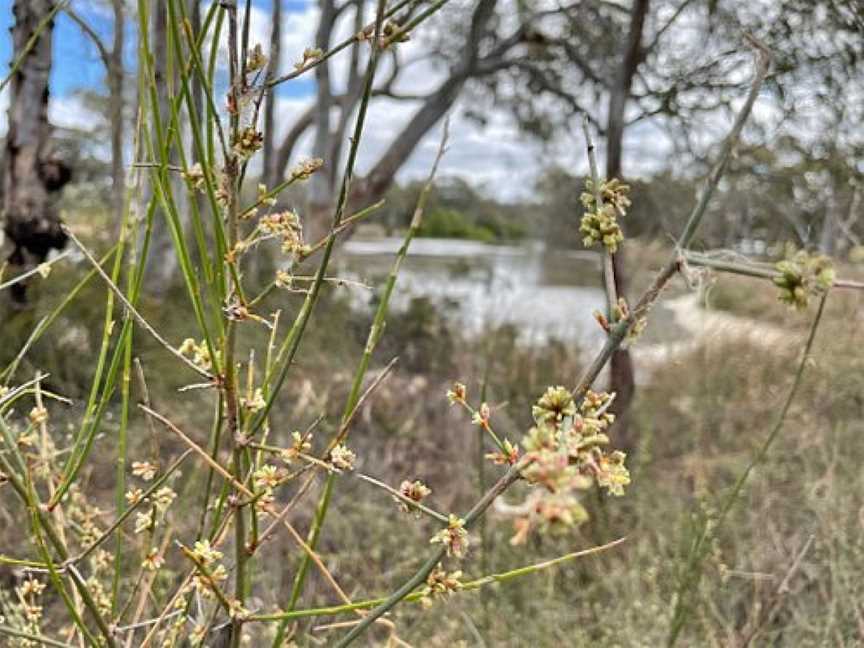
point(76, 60)
point(495, 156)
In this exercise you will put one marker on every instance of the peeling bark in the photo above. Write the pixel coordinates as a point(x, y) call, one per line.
point(32, 172)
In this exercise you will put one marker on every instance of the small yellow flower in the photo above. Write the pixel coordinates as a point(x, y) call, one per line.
point(415, 491)
point(163, 498)
point(454, 537)
point(257, 59)
point(342, 458)
point(266, 477)
point(134, 495)
point(152, 561)
point(143, 522)
point(38, 415)
point(144, 469)
point(29, 587)
point(457, 393)
point(205, 553)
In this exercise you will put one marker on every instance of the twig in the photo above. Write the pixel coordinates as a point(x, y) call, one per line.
point(131, 309)
point(39, 269)
point(335, 49)
point(619, 331)
point(403, 498)
point(749, 269)
point(45, 641)
point(608, 261)
point(248, 493)
point(354, 399)
point(781, 591)
point(421, 574)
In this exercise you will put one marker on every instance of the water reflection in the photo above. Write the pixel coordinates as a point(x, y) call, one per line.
point(543, 293)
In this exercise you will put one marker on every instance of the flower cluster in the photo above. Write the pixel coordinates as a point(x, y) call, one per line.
point(266, 477)
point(208, 557)
point(304, 169)
point(613, 192)
point(454, 537)
point(600, 222)
point(342, 458)
point(28, 594)
point(300, 444)
point(803, 276)
point(548, 513)
point(415, 491)
point(194, 176)
point(310, 54)
point(198, 353)
point(285, 226)
point(38, 415)
point(158, 502)
point(153, 560)
point(565, 449)
point(508, 455)
point(440, 584)
point(247, 142)
point(256, 59)
point(457, 393)
point(146, 470)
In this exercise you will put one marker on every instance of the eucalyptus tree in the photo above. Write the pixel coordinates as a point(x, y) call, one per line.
point(32, 172)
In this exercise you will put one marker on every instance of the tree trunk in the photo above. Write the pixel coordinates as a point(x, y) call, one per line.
point(31, 172)
point(115, 89)
point(269, 175)
point(163, 258)
point(621, 375)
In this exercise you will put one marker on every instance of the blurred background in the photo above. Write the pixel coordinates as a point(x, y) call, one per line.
point(499, 292)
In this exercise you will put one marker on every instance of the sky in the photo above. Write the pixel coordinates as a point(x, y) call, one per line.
point(495, 157)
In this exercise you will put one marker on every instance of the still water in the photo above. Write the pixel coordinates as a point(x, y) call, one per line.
point(544, 293)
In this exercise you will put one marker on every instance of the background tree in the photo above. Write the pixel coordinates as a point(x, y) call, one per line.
point(269, 174)
point(32, 172)
point(478, 42)
point(112, 58)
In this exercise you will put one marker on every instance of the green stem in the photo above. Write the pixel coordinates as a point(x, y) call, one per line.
point(423, 572)
point(419, 595)
point(375, 332)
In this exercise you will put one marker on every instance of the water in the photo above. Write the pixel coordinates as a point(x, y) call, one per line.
point(544, 293)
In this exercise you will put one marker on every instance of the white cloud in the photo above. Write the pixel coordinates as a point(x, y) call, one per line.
point(71, 112)
point(494, 156)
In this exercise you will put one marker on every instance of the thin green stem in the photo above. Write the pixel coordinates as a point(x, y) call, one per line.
point(419, 595)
